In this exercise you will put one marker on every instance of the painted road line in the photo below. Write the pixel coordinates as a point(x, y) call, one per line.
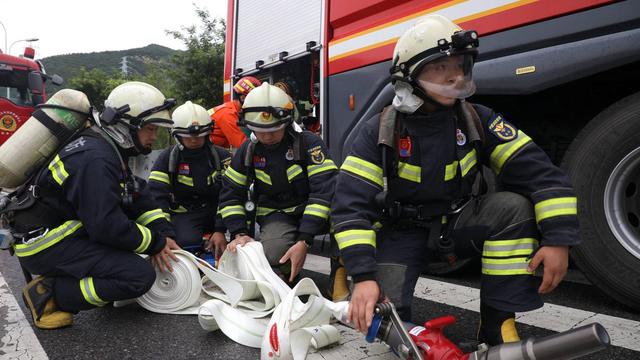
point(623, 332)
point(17, 339)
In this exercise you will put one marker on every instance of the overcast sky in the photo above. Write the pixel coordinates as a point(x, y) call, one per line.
point(73, 26)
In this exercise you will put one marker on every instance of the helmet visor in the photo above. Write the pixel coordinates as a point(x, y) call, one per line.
point(449, 76)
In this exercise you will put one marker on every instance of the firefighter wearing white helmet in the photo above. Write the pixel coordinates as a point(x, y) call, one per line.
point(292, 179)
point(426, 183)
point(186, 180)
point(91, 217)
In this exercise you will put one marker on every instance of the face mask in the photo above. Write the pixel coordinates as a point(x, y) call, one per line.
point(405, 101)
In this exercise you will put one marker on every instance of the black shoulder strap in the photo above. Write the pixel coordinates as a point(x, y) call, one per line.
point(216, 157)
point(172, 166)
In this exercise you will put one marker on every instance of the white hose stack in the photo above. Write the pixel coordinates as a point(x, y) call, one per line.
point(238, 297)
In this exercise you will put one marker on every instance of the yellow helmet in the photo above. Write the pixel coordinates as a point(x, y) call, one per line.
point(190, 119)
point(267, 108)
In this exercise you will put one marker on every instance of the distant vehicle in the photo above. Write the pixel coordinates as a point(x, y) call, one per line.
point(566, 72)
point(22, 87)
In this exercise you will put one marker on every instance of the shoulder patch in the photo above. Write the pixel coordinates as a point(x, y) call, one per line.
point(502, 129)
point(77, 143)
point(316, 154)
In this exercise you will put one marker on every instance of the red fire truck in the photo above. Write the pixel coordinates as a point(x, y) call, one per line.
point(22, 81)
point(566, 72)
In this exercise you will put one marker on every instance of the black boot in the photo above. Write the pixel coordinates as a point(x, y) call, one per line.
point(496, 326)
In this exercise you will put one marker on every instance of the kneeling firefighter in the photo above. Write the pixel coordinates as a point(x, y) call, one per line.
point(292, 179)
point(187, 177)
point(87, 217)
point(420, 161)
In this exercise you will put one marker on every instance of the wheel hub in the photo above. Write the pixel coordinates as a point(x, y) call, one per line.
point(622, 202)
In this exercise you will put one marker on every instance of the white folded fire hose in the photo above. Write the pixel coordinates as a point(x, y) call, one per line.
point(238, 298)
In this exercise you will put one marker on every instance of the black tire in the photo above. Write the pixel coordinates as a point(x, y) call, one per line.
point(604, 165)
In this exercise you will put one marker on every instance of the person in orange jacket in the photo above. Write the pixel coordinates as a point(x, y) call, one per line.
point(226, 132)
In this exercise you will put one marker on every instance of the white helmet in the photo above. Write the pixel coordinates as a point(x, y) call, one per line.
point(434, 38)
point(267, 108)
point(129, 107)
point(190, 119)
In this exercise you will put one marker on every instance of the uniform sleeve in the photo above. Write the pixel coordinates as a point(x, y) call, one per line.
point(147, 212)
point(321, 172)
point(354, 208)
point(523, 167)
point(160, 181)
point(92, 186)
point(233, 194)
point(225, 160)
point(229, 127)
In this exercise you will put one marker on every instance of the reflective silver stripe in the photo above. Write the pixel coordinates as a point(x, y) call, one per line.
point(327, 165)
point(231, 210)
point(49, 239)
point(58, 171)
point(513, 266)
point(318, 210)
point(505, 248)
point(186, 180)
point(468, 162)
point(150, 216)
point(146, 239)
point(160, 176)
point(451, 171)
point(409, 172)
point(235, 176)
point(293, 171)
point(363, 169)
point(89, 292)
point(561, 206)
point(263, 176)
point(355, 237)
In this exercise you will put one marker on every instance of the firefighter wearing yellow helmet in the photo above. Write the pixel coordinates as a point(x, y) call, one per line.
point(90, 218)
point(292, 179)
point(423, 183)
point(186, 180)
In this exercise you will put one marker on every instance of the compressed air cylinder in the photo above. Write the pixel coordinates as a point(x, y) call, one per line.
point(33, 143)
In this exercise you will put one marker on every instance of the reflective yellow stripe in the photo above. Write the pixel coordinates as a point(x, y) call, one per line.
point(212, 178)
point(146, 239)
point(186, 180)
point(293, 171)
point(263, 176)
point(327, 165)
point(160, 176)
point(450, 171)
point(503, 152)
point(89, 292)
point(363, 169)
point(355, 237)
point(58, 171)
point(318, 210)
point(468, 162)
point(235, 176)
point(556, 207)
point(167, 216)
point(51, 238)
point(409, 172)
point(264, 211)
point(231, 210)
point(512, 266)
point(506, 248)
point(180, 209)
point(150, 216)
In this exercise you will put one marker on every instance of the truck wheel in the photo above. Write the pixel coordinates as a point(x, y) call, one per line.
point(604, 165)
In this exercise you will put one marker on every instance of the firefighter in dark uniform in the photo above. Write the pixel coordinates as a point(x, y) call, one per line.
point(187, 177)
point(91, 217)
point(422, 181)
point(292, 178)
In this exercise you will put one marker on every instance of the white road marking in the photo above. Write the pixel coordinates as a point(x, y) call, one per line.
point(18, 341)
point(623, 332)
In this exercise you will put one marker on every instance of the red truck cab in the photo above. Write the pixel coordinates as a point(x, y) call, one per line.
point(22, 81)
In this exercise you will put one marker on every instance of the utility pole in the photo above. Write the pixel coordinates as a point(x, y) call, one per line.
point(124, 67)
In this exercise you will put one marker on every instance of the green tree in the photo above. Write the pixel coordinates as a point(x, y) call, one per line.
point(197, 73)
point(95, 83)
